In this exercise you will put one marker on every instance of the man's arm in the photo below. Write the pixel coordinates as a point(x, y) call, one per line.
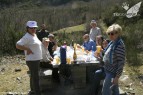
point(20, 47)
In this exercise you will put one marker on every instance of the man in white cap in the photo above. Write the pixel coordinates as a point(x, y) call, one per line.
point(33, 53)
point(94, 31)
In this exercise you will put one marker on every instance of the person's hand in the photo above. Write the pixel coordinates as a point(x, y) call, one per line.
point(29, 51)
point(101, 50)
point(50, 62)
point(96, 54)
point(115, 81)
point(87, 51)
point(78, 46)
point(51, 59)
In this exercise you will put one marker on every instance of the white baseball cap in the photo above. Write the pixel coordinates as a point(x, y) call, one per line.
point(31, 24)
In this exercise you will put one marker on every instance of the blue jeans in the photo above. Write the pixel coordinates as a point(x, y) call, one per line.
point(108, 88)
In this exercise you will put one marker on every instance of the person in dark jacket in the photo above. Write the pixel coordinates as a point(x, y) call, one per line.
point(52, 47)
point(42, 33)
point(52, 44)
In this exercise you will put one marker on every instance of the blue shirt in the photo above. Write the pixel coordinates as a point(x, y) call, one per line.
point(90, 45)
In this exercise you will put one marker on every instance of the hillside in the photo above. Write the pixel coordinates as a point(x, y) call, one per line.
point(9, 3)
point(81, 27)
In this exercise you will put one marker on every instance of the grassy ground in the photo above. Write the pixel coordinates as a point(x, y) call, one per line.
point(132, 84)
point(11, 81)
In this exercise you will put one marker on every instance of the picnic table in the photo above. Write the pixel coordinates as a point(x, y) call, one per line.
point(80, 75)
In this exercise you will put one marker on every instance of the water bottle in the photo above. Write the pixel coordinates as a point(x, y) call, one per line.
point(63, 54)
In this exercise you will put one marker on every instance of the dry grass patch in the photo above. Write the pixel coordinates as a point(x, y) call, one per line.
point(11, 81)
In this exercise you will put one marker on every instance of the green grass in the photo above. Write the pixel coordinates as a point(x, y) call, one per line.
point(71, 29)
point(69, 33)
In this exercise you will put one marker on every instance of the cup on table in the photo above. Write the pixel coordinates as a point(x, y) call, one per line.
point(98, 49)
point(57, 60)
point(83, 49)
point(68, 61)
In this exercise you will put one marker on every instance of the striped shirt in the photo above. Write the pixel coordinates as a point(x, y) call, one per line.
point(117, 56)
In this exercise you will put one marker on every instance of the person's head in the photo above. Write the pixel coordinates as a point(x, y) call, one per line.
point(105, 43)
point(93, 23)
point(64, 43)
point(51, 37)
point(99, 40)
point(86, 37)
point(43, 26)
point(45, 41)
point(31, 27)
point(114, 31)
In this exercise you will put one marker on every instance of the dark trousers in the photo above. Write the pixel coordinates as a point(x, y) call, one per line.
point(46, 65)
point(34, 76)
point(98, 75)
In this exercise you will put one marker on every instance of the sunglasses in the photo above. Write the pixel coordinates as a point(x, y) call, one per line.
point(111, 33)
point(32, 27)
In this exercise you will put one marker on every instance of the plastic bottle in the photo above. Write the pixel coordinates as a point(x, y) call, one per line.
point(63, 54)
